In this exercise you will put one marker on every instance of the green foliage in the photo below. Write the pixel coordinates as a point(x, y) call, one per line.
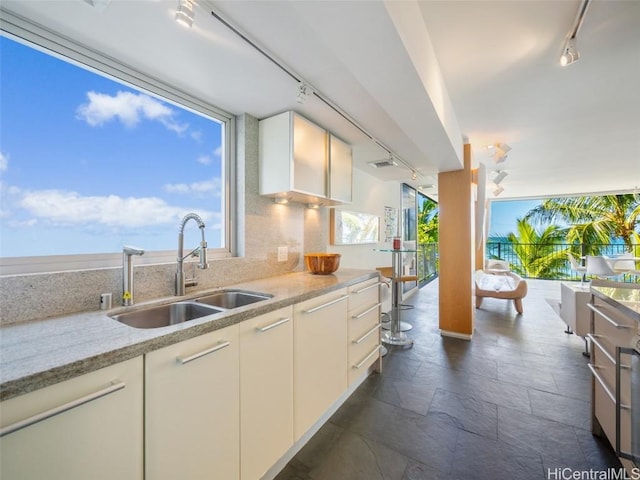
point(537, 250)
point(428, 223)
point(593, 221)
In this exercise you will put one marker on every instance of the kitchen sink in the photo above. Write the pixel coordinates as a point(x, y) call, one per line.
point(228, 299)
point(164, 315)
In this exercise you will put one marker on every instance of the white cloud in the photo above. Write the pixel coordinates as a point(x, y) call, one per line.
point(4, 162)
point(195, 188)
point(204, 159)
point(129, 108)
point(69, 208)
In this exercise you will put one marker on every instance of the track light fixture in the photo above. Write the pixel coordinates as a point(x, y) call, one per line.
point(498, 152)
point(185, 13)
point(499, 177)
point(570, 53)
point(304, 92)
point(498, 191)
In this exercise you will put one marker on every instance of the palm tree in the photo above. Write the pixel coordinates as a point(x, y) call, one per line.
point(428, 222)
point(593, 221)
point(537, 251)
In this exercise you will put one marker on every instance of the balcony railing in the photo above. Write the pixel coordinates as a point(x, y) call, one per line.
point(550, 261)
point(546, 261)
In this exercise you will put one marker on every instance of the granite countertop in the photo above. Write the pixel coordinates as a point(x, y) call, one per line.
point(40, 353)
point(627, 298)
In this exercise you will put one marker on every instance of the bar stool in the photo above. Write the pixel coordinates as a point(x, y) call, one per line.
point(387, 272)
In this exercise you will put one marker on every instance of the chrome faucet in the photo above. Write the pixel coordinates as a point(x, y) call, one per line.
point(127, 273)
point(200, 250)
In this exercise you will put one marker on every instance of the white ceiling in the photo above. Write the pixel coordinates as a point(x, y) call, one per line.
point(415, 75)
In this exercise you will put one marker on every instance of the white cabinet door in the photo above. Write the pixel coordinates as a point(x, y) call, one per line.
point(320, 357)
point(340, 170)
point(192, 408)
point(309, 157)
point(266, 391)
point(89, 427)
point(364, 328)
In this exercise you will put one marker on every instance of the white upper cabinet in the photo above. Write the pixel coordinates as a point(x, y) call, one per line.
point(340, 170)
point(296, 161)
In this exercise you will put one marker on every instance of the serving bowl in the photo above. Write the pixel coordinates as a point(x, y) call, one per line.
point(322, 263)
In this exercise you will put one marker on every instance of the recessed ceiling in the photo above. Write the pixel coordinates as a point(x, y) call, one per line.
point(415, 76)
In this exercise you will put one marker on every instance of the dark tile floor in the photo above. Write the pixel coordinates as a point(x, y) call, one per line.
point(511, 404)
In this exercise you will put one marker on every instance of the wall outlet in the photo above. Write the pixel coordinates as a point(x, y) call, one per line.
point(283, 253)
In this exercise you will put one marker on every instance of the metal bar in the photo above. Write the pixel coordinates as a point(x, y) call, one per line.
point(273, 325)
point(115, 386)
point(222, 344)
point(362, 338)
point(366, 311)
point(593, 368)
point(332, 302)
point(606, 317)
point(599, 345)
point(619, 452)
point(375, 350)
point(357, 292)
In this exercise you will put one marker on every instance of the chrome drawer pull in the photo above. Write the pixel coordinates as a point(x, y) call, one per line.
point(601, 381)
point(357, 292)
point(332, 302)
point(606, 317)
point(362, 338)
point(222, 344)
point(115, 386)
point(375, 350)
point(599, 345)
point(365, 312)
point(618, 401)
point(273, 325)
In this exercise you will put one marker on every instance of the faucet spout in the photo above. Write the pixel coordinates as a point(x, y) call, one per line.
point(201, 249)
point(127, 273)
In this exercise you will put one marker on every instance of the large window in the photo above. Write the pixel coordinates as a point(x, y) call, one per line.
point(89, 163)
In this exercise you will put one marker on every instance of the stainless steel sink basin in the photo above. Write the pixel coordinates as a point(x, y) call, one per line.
point(229, 299)
point(164, 315)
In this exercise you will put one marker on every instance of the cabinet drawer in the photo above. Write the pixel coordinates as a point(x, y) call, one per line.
point(605, 412)
point(362, 355)
point(363, 295)
point(361, 323)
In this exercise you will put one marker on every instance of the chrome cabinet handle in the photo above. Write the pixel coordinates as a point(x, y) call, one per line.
point(332, 302)
point(357, 292)
point(606, 317)
point(619, 406)
point(367, 311)
point(375, 350)
point(219, 346)
point(115, 386)
point(601, 381)
point(362, 338)
point(599, 345)
point(273, 325)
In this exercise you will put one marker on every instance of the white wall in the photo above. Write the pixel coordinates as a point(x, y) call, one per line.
point(370, 195)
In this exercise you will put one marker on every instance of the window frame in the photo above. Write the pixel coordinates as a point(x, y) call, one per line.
point(33, 35)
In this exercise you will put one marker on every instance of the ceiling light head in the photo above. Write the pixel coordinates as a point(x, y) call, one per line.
point(499, 152)
point(414, 175)
point(281, 200)
point(185, 13)
point(570, 53)
point(498, 191)
point(499, 177)
point(304, 92)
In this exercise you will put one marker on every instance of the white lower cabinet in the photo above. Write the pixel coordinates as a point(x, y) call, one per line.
point(192, 415)
point(320, 357)
point(266, 391)
point(89, 427)
point(364, 328)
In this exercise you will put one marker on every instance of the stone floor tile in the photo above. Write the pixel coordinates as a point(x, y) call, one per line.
point(569, 411)
point(468, 413)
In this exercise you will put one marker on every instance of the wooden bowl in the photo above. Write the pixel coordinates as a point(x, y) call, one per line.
point(322, 263)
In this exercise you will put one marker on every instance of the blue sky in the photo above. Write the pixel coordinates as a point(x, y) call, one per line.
point(504, 214)
point(88, 164)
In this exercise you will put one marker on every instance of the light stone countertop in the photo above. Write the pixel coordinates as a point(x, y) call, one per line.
point(40, 353)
